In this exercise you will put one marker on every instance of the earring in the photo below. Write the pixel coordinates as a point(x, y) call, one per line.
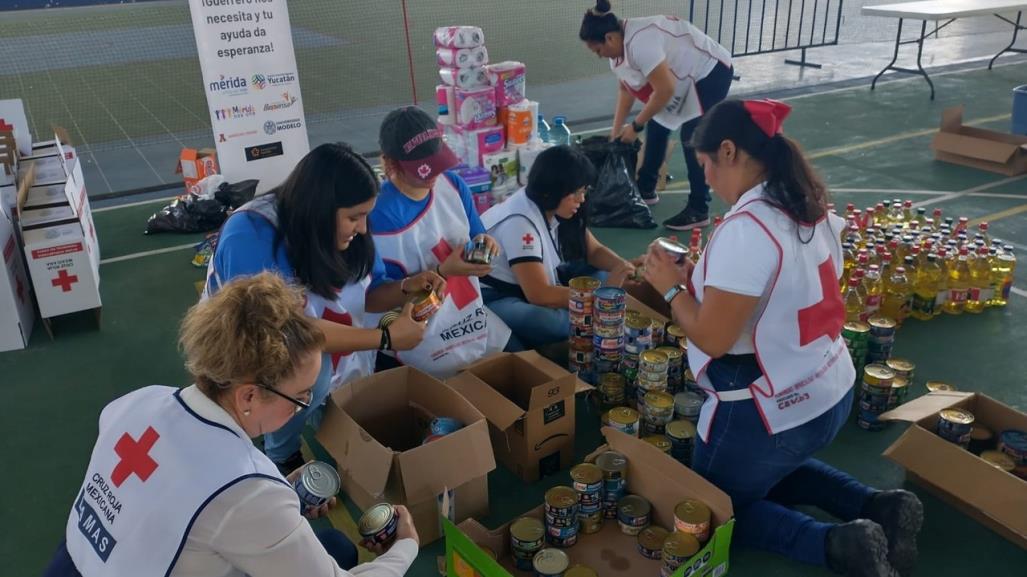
point(246, 412)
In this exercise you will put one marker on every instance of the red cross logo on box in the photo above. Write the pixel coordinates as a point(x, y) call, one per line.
point(135, 458)
point(64, 280)
point(339, 319)
point(459, 287)
point(826, 317)
point(4, 127)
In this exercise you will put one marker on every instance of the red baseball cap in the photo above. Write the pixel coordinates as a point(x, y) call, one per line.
point(413, 139)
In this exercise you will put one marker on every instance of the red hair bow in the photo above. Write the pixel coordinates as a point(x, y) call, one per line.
point(768, 114)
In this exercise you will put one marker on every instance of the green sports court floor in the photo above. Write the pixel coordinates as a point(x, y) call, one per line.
point(868, 145)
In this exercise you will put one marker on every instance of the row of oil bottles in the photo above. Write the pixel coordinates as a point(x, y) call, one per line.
point(900, 262)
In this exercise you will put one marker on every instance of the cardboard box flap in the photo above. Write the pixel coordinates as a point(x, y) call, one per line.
point(499, 410)
point(925, 406)
point(718, 501)
point(427, 471)
point(544, 395)
point(952, 119)
point(26, 183)
point(974, 147)
point(346, 442)
point(554, 370)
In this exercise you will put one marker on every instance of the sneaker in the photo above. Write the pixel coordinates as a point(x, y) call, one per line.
point(295, 461)
point(901, 515)
point(687, 220)
point(650, 198)
point(859, 549)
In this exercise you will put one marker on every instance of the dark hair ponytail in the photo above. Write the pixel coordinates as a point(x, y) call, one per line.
point(598, 22)
point(792, 183)
point(559, 172)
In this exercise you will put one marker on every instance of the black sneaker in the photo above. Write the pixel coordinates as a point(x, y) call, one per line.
point(687, 220)
point(295, 461)
point(859, 549)
point(650, 198)
point(901, 515)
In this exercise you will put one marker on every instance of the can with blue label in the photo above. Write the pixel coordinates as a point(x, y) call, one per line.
point(317, 483)
point(445, 425)
point(379, 524)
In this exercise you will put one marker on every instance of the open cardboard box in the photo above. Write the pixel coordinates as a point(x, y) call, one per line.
point(529, 403)
point(663, 482)
point(374, 427)
point(977, 147)
point(993, 497)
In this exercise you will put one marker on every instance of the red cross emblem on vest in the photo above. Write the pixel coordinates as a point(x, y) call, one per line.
point(135, 458)
point(64, 280)
point(826, 317)
point(528, 239)
point(459, 287)
point(339, 319)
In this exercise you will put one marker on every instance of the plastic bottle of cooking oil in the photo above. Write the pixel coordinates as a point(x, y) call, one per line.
point(980, 282)
point(907, 210)
point(858, 274)
point(942, 287)
point(853, 301)
point(1003, 275)
point(849, 263)
point(925, 288)
point(959, 284)
point(875, 290)
point(910, 263)
point(898, 294)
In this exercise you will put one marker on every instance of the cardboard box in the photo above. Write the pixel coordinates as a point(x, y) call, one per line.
point(52, 159)
point(17, 314)
point(662, 481)
point(529, 403)
point(14, 120)
point(979, 148)
point(374, 429)
point(195, 165)
point(993, 497)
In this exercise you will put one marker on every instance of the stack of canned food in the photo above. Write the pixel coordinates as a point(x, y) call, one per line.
point(857, 340)
point(675, 367)
point(652, 374)
point(904, 371)
point(638, 338)
point(882, 339)
point(614, 467)
point(611, 390)
point(582, 290)
point(681, 435)
point(587, 480)
point(657, 410)
point(874, 396)
point(561, 516)
point(608, 310)
point(527, 537)
point(960, 427)
point(687, 405)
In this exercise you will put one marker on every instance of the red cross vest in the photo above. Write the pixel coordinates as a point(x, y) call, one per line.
point(805, 364)
point(458, 333)
point(346, 309)
point(155, 466)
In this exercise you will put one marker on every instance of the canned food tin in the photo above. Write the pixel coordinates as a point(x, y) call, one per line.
point(868, 421)
point(587, 478)
point(679, 548)
point(855, 333)
point(633, 512)
point(610, 299)
point(674, 336)
point(426, 304)
point(378, 524)
point(687, 405)
point(445, 425)
point(674, 354)
point(562, 501)
point(650, 542)
point(602, 343)
point(653, 361)
point(682, 440)
point(582, 332)
point(693, 517)
point(902, 367)
point(581, 357)
point(564, 542)
point(580, 571)
point(660, 402)
point(673, 248)
point(318, 483)
point(562, 532)
point(637, 322)
point(1013, 442)
point(935, 386)
point(580, 307)
point(658, 332)
point(659, 441)
point(878, 375)
point(477, 252)
point(591, 523)
point(387, 319)
point(999, 460)
point(981, 439)
point(581, 319)
point(882, 326)
point(614, 465)
point(625, 420)
point(527, 535)
point(550, 563)
point(954, 425)
point(584, 285)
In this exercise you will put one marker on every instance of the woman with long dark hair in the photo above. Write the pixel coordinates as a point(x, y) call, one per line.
point(543, 231)
point(677, 72)
point(312, 230)
point(763, 317)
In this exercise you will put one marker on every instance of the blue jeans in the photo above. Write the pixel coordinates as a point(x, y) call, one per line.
point(767, 474)
point(535, 326)
point(711, 90)
point(281, 444)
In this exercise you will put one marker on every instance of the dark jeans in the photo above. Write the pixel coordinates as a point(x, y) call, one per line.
point(338, 546)
point(765, 475)
point(711, 90)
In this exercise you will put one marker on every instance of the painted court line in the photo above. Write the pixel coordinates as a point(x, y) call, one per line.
point(147, 253)
point(1012, 211)
point(969, 191)
point(1018, 291)
point(131, 204)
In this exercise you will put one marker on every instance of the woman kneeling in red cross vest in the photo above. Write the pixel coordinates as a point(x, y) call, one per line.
point(763, 316)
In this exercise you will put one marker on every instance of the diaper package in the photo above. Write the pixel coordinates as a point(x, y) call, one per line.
point(526, 158)
point(459, 37)
point(474, 108)
point(502, 167)
point(509, 80)
point(462, 57)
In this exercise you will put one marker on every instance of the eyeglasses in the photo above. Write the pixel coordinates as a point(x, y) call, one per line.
point(300, 405)
point(584, 191)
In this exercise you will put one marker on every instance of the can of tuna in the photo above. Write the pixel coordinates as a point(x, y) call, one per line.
point(562, 501)
point(675, 357)
point(1013, 442)
point(582, 287)
point(659, 441)
point(899, 391)
point(550, 563)
point(868, 420)
point(580, 571)
point(582, 332)
point(560, 531)
point(580, 307)
point(610, 299)
point(633, 513)
point(878, 377)
point(650, 542)
point(678, 548)
point(935, 386)
point(692, 516)
point(981, 439)
point(581, 319)
point(316, 484)
point(613, 465)
point(674, 335)
point(426, 304)
point(445, 425)
point(378, 524)
point(682, 440)
point(603, 343)
point(607, 332)
point(587, 478)
point(687, 406)
point(658, 331)
point(882, 326)
point(527, 536)
point(856, 334)
point(673, 248)
point(653, 361)
point(954, 425)
point(592, 522)
point(477, 252)
point(902, 368)
point(625, 420)
point(999, 460)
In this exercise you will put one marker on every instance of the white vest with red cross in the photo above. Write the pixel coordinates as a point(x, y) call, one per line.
point(458, 334)
point(346, 309)
point(797, 338)
point(155, 466)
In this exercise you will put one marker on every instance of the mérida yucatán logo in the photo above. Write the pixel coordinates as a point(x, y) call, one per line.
point(230, 85)
point(262, 81)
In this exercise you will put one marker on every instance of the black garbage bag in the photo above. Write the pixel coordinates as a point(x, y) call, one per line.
point(236, 194)
point(597, 148)
point(615, 201)
point(188, 214)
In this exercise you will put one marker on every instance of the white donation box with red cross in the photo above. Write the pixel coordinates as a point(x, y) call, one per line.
point(16, 312)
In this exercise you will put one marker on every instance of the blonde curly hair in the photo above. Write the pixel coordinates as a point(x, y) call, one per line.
point(253, 330)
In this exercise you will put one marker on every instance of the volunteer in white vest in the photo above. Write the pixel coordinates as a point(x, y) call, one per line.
point(542, 230)
point(763, 317)
point(175, 487)
point(312, 230)
point(422, 222)
point(677, 72)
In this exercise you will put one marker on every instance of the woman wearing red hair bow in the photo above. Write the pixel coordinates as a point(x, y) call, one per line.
point(763, 317)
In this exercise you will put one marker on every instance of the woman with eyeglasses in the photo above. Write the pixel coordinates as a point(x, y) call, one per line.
point(174, 485)
point(312, 230)
point(543, 232)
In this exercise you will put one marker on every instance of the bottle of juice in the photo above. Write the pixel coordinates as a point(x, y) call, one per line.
point(980, 282)
point(875, 291)
point(898, 296)
point(853, 301)
point(959, 284)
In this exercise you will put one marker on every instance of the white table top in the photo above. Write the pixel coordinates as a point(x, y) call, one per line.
point(945, 9)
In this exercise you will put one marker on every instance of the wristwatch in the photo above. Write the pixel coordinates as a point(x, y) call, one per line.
point(638, 128)
point(674, 291)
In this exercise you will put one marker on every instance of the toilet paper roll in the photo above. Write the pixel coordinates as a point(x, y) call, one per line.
point(462, 57)
point(510, 81)
point(459, 37)
point(475, 108)
point(464, 77)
